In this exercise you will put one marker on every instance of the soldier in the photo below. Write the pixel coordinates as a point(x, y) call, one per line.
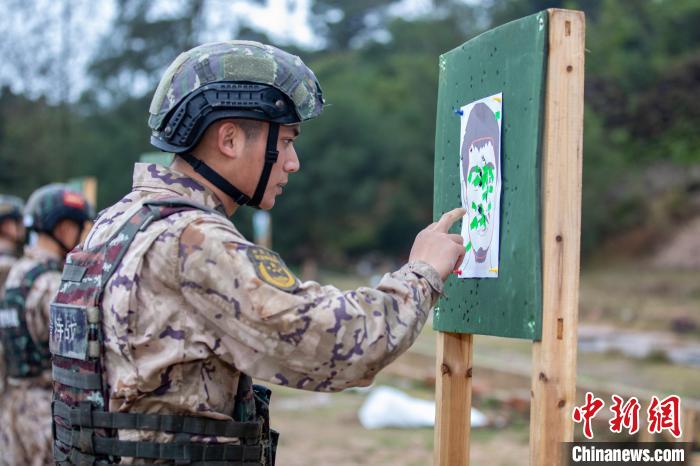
point(11, 239)
point(11, 235)
point(57, 215)
point(173, 310)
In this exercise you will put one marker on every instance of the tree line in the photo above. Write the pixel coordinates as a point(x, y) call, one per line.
point(366, 165)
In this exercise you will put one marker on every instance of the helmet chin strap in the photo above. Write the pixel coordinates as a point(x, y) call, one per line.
point(271, 155)
point(230, 190)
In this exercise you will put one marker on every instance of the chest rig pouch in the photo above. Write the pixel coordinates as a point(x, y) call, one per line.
point(85, 432)
point(24, 357)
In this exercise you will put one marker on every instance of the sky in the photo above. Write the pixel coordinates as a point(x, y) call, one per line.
point(287, 21)
point(68, 50)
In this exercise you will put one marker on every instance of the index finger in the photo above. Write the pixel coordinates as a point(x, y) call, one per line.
point(449, 218)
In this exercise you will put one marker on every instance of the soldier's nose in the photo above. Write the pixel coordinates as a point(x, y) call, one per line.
point(292, 164)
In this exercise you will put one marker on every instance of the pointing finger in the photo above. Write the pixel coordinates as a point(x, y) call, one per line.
point(449, 218)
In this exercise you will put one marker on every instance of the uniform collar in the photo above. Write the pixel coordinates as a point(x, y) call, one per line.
point(157, 178)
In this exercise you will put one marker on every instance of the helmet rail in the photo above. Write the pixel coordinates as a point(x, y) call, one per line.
point(186, 124)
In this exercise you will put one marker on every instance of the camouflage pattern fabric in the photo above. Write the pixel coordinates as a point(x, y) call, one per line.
point(74, 329)
point(25, 435)
point(25, 406)
point(10, 208)
point(7, 260)
point(193, 305)
point(237, 60)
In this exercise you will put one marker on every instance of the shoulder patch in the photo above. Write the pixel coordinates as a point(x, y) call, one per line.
point(271, 269)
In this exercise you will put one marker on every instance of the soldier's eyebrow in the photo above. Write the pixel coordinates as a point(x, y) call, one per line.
point(296, 129)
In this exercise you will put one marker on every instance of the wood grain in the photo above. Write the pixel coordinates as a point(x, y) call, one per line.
point(554, 357)
point(453, 395)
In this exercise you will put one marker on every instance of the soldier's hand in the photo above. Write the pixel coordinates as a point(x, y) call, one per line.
point(437, 247)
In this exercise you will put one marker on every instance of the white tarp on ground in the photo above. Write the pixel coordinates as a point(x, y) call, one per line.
point(389, 407)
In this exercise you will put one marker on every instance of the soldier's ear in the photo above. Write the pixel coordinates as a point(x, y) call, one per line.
point(230, 139)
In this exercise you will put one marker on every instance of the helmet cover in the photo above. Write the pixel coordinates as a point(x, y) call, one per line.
point(236, 61)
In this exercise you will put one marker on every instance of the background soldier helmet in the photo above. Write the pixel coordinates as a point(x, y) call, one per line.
point(233, 79)
point(50, 204)
point(10, 207)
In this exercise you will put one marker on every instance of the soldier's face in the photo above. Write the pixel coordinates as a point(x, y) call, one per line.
point(68, 232)
point(12, 230)
point(287, 162)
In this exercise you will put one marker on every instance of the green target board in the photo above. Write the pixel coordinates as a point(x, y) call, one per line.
point(511, 61)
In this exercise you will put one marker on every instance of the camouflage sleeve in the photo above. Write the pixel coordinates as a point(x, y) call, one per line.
point(260, 318)
point(38, 304)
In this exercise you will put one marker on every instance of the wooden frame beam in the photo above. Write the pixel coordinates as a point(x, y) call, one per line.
point(453, 395)
point(554, 357)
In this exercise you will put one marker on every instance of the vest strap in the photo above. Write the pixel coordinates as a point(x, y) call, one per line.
point(86, 381)
point(77, 458)
point(85, 416)
point(182, 452)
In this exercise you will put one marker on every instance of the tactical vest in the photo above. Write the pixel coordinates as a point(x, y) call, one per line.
point(85, 432)
point(24, 357)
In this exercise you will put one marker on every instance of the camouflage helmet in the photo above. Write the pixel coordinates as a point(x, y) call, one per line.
point(52, 203)
point(10, 207)
point(232, 79)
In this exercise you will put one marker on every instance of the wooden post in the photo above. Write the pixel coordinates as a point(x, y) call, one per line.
point(90, 190)
point(554, 357)
point(453, 395)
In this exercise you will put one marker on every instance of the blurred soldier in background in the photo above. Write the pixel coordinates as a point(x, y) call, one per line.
point(57, 216)
point(190, 309)
point(11, 235)
point(11, 239)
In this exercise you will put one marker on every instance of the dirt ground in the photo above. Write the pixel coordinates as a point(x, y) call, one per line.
point(323, 429)
point(326, 431)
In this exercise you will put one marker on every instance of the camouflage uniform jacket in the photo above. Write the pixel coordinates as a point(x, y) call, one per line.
point(37, 304)
point(7, 260)
point(193, 304)
point(25, 405)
